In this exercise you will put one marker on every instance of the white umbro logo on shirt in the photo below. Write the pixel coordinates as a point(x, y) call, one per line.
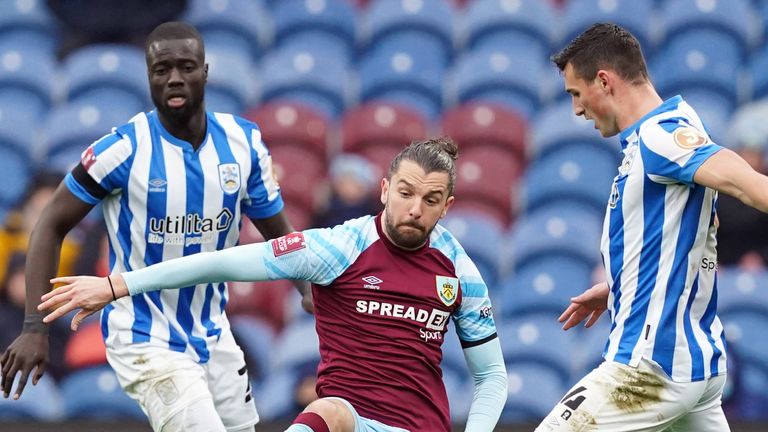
point(372, 282)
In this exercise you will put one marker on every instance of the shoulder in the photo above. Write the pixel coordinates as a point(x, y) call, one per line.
point(445, 242)
point(673, 130)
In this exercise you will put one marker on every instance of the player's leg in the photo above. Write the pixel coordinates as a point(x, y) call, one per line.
point(230, 386)
point(337, 415)
point(707, 415)
point(169, 386)
point(616, 397)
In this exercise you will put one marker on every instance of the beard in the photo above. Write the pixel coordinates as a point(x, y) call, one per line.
point(410, 239)
point(178, 115)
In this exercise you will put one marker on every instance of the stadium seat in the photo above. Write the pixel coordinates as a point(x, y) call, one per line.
point(537, 340)
point(404, 75)
point(262, 300)
point(255, 336)
point(274, 397)
point(493, 76)
point(390, 23)
point(742, 290)
point(557, 128)
point(289, 123)
point(17, 139)
point(589, 346)
point(376, 124)
point(487, 179)
point(26, 81)
point(701, 62)
point(532, 391)
point(39, 403)
point(479, 125)
point(545, 285)
point(759, 79)
point(554, 232)
point(743, 330)
point(71, 128)
point(231, 87)
point(239, 24)
point(108, 72)
point(95, 394)
point(299, 173)
point(27, 24)
point(481, 238)
point(320, 26)
point(296, 344)
point(577, 176)
point(730, 18)
point(635, 16)
point(513, 26)
point(300, 76)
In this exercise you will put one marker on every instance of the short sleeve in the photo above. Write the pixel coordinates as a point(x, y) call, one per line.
point(673, 151)
point(263, 199)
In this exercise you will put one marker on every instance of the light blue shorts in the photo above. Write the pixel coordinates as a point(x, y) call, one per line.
point(363, 424)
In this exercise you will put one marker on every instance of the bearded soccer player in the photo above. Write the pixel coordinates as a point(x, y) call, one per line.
point(385, 287)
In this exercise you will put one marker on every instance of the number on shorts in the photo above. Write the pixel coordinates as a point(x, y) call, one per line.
point(573, 402)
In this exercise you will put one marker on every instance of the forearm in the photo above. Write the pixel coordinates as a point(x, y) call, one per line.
point(42, 263)
point(486, 363)
point(240, 263)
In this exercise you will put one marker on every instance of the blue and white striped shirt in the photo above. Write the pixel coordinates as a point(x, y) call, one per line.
point(163, 200)
point(658, 248)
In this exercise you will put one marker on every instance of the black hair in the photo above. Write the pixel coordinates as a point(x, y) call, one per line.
point(173, 30)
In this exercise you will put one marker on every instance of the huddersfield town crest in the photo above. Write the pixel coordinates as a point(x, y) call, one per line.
point(229, 177)
point(447, 288)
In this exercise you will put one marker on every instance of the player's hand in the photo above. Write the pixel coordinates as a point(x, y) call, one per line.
point(88, 293)
point(591, 303)
point(29, 351)
point(306, 302)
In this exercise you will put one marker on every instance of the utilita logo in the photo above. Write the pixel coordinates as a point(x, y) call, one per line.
point(188, 229)
point(372, 282)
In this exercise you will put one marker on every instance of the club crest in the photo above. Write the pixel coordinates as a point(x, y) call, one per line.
point(229, 177)
point(447, 289)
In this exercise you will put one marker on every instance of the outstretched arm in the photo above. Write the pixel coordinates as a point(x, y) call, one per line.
point(725, 171)
point(486, 364)
point(91, 294)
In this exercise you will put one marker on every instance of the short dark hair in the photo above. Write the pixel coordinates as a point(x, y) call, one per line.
point(173, 30)
point(604, 46)
point(432, 155)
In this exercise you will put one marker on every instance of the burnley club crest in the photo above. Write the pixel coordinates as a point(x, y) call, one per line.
point(447, 288)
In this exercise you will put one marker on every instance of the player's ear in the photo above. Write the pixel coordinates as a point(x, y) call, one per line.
point(448, 204)
point(384, 190)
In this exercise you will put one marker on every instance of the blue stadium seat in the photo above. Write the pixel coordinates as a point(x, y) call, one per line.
point(511, 26)
point(482, 239)
point(395, 22)
point(231, 87)
point(702, 62)
point(17, 139)
point(537, 340)
point(39, 403)
point(578, 175)
point(495, 76)
point(71, 128)
point(117, 73)
point(26, 81)
point(545, 285)
point(27, 24)
point(320, 26)
point(95, 394)
point(732, 18)
point(239, 24)
point(255, 337)
point(532, 391)
point(405, 75)
point(556, 128)
point(300, 76)
point(745, 331)
point(742, 290)
point(553, 232)
point(635, 16)
point(296, 344)
point(274, 397)
point(759, 79)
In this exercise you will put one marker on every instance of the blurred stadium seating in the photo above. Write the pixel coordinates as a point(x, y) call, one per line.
point(322, 77)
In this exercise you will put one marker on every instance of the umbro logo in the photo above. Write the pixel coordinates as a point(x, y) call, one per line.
point(372, 282)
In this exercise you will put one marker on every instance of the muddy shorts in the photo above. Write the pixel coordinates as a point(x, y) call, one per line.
point(616, 397)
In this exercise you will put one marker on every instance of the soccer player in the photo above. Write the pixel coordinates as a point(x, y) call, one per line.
point(384, 288)
point(173, 182)
point(665, 357)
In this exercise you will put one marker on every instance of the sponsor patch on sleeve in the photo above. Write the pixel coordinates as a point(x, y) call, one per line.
point(88, 158)
point(689, 138)
point(288, 243)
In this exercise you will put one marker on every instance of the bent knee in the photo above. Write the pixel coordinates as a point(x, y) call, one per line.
point(336, 415)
